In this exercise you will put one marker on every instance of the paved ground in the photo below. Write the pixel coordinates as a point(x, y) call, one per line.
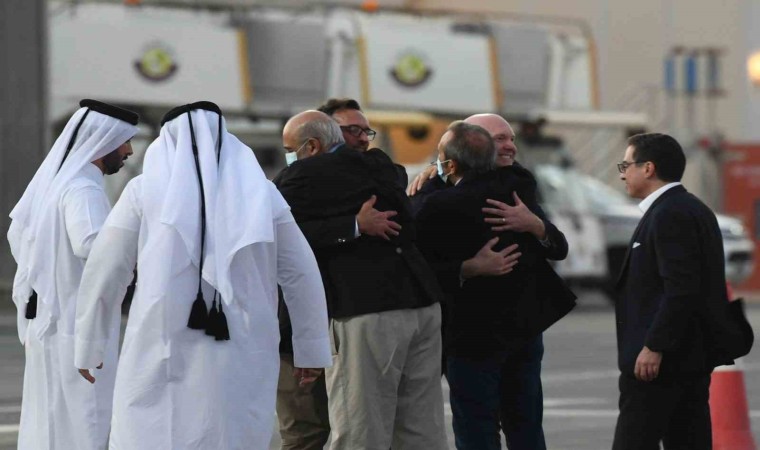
point(580, 379)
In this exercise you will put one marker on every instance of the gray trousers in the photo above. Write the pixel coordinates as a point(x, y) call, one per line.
point(384, 388)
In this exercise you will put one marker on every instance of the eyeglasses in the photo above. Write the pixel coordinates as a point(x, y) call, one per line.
point(624, 165)
point(356, 131)
point(439, 161)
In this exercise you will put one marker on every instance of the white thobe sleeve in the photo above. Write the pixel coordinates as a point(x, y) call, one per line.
point(298, 276)
point(107, 275)
point(85, 210)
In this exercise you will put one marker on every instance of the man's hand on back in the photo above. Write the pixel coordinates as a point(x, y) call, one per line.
point(488, 262)
point(515, 218)
point(376, 223)
point(421, 178)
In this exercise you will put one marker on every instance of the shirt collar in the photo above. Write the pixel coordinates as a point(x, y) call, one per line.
point(647, 202)
point(333, 148)
point(93, 172)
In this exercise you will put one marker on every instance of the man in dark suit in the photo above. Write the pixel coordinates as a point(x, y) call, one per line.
point(673, 321)
point(302, 407)
point(384, 387)
point(522, 394)
point(490, 316)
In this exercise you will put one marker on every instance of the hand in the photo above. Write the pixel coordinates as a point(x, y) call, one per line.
point(647, 365)
point(516, 218)
point(487, 262)
point(376, 223)
point(86, 374)
point(416, 184)
point(306, 376)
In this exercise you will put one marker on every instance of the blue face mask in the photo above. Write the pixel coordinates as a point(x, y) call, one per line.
point(439, 165)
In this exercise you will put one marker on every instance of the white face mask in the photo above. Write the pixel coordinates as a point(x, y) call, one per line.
point(439, 165)
point(290, 158)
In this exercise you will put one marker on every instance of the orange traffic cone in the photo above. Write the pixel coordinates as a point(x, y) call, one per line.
point(730, 413)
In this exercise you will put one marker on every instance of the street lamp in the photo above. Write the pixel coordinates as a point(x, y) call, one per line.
point(753, 68)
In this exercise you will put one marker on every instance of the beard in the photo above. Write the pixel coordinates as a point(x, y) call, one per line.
point(113, 162)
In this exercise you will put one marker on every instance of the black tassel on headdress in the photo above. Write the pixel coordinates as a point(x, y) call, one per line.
point(213, 319)
point(222, 331)
point(31, 306)
point(198, 315)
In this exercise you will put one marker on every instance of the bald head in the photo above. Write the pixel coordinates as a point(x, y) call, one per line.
point(501, 133)
point(310, 133)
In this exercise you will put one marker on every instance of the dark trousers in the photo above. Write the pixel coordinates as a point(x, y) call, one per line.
point(675, 411)
point(502, 392)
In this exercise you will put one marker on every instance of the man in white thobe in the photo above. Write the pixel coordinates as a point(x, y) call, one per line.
point(53, 227)
point(212, 238)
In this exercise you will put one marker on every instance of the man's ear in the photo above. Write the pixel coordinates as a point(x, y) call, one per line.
point(650, 170)
point(315, 147)
point(453, 167)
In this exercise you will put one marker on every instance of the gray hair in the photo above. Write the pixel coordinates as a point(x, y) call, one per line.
point(324, 129)
point(471, 147)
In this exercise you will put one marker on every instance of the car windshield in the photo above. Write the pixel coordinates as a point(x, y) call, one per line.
point(600, 195)
point(565, 189)
point(560, 190)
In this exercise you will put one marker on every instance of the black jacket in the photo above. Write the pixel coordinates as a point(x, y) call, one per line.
point(486, 315)
point(366, 274)
point(673, 291)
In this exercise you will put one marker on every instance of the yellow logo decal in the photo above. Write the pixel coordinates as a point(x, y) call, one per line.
point(411, 70)
point(156, 63)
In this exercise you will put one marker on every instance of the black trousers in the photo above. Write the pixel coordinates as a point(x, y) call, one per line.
point(674, 411)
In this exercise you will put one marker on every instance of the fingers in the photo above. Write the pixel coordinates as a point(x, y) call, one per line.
point(646, 371)
point(306, 376)
point(498, 204)
point(416, 184)
point(389, 214)
point(507, 250)
point(495, 212)
point(489, 245)
point(370, 203)
point(517, 199)
point(86, 375)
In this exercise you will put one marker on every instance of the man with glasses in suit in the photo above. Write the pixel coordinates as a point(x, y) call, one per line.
point(352, 121)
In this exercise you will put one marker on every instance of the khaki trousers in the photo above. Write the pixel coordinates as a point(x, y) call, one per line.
point(301, 411)
point(384, 388)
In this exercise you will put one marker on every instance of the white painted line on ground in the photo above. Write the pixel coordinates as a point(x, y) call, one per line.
point(580, 412)
point(589, 401)
point(561, 377)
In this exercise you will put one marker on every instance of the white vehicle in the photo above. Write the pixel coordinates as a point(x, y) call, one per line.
point(619, 217)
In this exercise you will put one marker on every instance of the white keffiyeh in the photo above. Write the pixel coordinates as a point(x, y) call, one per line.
point(36, 224)
point(238, 202)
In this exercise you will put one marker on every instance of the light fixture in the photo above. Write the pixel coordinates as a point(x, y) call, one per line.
point(753, 68)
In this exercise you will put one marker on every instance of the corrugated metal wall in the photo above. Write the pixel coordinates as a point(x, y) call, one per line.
point(23, 130)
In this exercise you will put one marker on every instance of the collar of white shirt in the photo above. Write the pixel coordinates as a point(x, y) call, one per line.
point(94, 173)
point(647, 202)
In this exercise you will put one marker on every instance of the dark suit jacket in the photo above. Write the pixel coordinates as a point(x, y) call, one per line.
point(366, 274)
point(486, 315)
point(673, 291)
